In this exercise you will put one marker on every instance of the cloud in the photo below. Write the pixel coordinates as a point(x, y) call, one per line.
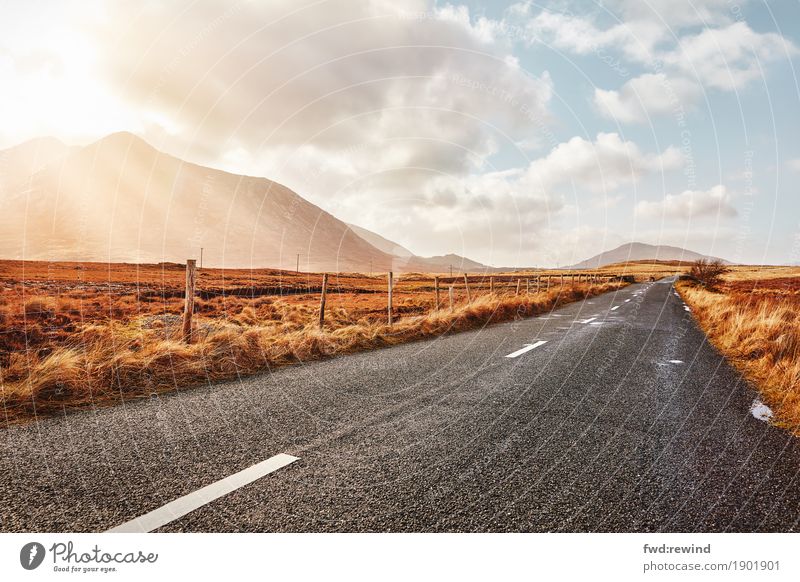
point(728, 58)
point(646, 96)
point(690, 204)
point(725, 54)
point(601, 165)
point(794, 165)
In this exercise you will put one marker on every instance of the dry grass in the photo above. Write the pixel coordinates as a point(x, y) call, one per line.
point(756, 324)
point(115, 335)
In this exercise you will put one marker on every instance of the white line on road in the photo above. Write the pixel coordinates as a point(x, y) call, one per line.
point(183, 505)
point(615, 308)
point(527, 348)
point(627, 300)
point(591, 319)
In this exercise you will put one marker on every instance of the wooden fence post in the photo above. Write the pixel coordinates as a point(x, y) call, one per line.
point(527, 286)
point(491, 284)
point(450, 293)
point(322, 299)
point(188, 303)
point(517, 291)
point(548, 282)
point(436, 290)
point(538, 283)
point(389, 308)
point(466, 286)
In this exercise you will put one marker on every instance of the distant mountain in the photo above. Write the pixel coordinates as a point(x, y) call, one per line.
point(639, 252)
point(406, 261)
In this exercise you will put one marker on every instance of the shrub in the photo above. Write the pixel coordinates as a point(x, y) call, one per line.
point(708, 273)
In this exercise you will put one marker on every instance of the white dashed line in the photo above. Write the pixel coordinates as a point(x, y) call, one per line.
point(183, 505)
point(615, 308)
point(591, 319)
point(527, 348)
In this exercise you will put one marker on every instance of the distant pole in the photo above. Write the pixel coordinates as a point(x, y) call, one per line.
point(451, 270)
point(201, 257)
point(389, 308)
point(370, 268)
point(188, 303)
point(322, 299)
point(297, 270)
point(561, 282)
point(466, 286)
point(436, 290)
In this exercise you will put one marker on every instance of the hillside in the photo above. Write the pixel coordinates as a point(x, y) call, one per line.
point(120, 199)
point(636, 251)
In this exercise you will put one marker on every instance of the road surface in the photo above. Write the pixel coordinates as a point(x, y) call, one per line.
point(614, 414)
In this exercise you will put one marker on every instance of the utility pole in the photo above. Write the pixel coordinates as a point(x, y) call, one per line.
point(298, 263)
point(451, 270)
point(201, 257)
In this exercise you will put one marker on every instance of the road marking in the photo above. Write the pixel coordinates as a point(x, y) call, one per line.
point(675, 361)
point(183, 505)
point(627, 300)
point(527, 348)
point(687, 308)
point(591, 319)
point(615, 308)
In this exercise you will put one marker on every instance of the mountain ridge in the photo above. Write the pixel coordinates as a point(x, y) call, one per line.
point(637, 251)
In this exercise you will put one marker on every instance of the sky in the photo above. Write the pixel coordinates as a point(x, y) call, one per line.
point(515, 133)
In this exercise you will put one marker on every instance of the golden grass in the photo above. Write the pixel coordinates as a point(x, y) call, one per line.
point(115, 360)
point(760, 335)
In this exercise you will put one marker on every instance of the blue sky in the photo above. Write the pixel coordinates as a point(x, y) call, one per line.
point(516, 133)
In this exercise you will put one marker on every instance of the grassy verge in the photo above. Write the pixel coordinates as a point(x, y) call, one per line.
point(759, 332)
point(114, 361)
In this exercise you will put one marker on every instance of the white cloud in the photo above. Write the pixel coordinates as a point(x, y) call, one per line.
point(730, 57)
point(602, 165)
point(726, 54)
point(646, 96)
point(794, 164)
point(690, 204)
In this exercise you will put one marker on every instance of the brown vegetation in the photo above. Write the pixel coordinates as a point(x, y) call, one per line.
point(77, 334)
point(708, 273)
point(755, 322)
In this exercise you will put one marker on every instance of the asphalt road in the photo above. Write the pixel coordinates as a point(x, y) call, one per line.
point(626, 422)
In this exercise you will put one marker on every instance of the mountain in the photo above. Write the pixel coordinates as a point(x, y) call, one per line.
point(21, 161)
point(381, 243)
point(406, 261)
point(119, 199)
point(636, 251)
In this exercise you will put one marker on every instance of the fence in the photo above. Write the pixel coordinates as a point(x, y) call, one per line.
point(474, 285)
